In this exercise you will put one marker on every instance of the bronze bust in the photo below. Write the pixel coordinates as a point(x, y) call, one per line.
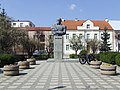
point(58, 29)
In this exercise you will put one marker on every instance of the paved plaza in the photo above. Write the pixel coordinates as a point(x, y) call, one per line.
point(60, 76)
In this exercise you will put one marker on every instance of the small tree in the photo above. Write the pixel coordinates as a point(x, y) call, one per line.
point(75, 43)
point(49, 45)
point(93, 45)
point(105, 46)
point(6, 33)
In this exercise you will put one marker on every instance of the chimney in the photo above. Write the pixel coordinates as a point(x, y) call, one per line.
point(63, 19)
point(106, 19)
point(76, 19)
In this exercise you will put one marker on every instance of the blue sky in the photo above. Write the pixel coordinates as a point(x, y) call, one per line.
point(45, 12)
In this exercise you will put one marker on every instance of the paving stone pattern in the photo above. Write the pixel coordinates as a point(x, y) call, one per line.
point(60, 76)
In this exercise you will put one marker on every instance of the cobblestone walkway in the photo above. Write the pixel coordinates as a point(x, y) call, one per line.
point(60, 76)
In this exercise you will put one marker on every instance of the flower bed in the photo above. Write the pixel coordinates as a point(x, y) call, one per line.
point(23, 64)
point(108, 69)
point(31, 61)
point(95, 64)
point(11, 70)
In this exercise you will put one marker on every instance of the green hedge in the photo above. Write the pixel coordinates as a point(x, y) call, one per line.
point(117, 59)
point(73, 56)
point(97, 56)
point(83, 52)
point(108, 57)
point(41, 57)
point(20, 57)
point(6, 59)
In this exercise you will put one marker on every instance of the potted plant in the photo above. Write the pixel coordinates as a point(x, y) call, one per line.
point(108, 69)
point(31, 61)
point(23, 64)
point(95, 64)
point(11, 70)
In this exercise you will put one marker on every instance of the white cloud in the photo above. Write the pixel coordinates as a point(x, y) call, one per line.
point(72, 7)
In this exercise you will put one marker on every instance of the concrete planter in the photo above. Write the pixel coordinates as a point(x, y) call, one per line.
point(31, 61)
point(23, 65)
point(108, 69)
point(11, 70)
point(95, 64)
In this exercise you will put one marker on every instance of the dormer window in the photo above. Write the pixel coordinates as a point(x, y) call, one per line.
point(88, 26)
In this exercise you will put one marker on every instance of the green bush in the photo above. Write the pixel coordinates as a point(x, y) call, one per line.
point(117, 59)
point(6, 59)
point(97, 56)
point(83, 52)
point(20, 58)
point(41, 57)
point(73, 56)
point(108, 57)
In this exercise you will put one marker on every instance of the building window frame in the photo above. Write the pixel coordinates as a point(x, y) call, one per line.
point(67, 47)
point(21, 24)
point(80, 35)
point(74, 35)
point(67, 36)
point(95, 36)
point(14, 24)
point(88, 26)
point(88, 36)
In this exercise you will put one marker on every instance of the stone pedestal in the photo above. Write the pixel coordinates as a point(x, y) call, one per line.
point(58, 48)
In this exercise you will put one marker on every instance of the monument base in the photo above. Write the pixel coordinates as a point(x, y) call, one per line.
point(58, 48)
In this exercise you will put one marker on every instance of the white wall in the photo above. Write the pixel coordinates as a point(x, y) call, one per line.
point(84, 31)
point(21, 24)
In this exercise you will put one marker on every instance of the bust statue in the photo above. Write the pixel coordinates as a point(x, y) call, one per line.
point(58, 29)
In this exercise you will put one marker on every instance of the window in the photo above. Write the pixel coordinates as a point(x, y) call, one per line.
point(67, 47)
point(118, 36)
point(21, 24)
point(42, 38)
point(74, 35)
point(80, 35)
point(67, 36)
point(88, 36)
point(88, 26)
point(14, 24)
point(95, 36)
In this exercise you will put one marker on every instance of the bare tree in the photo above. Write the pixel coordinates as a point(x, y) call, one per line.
point(93, 44)
point(75, 43)
point(49, 45)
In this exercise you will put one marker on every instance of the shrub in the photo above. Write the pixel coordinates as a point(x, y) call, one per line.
point(6, 59)
point(41, 57)
point(108, 57)
point(20, 58)
point(117, 59)
point(83, 52)
point(73, 56)
point(97, 56)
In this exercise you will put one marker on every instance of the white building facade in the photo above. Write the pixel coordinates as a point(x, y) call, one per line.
point(116, 27)
point(22, 23)
point(86, 29)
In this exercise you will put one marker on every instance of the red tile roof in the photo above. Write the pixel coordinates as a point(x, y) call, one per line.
point(72, 24)
point(37, 28)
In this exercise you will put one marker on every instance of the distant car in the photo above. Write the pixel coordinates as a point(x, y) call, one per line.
point(36, 52)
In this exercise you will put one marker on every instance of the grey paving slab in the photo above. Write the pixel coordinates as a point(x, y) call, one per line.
point(60, 76)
